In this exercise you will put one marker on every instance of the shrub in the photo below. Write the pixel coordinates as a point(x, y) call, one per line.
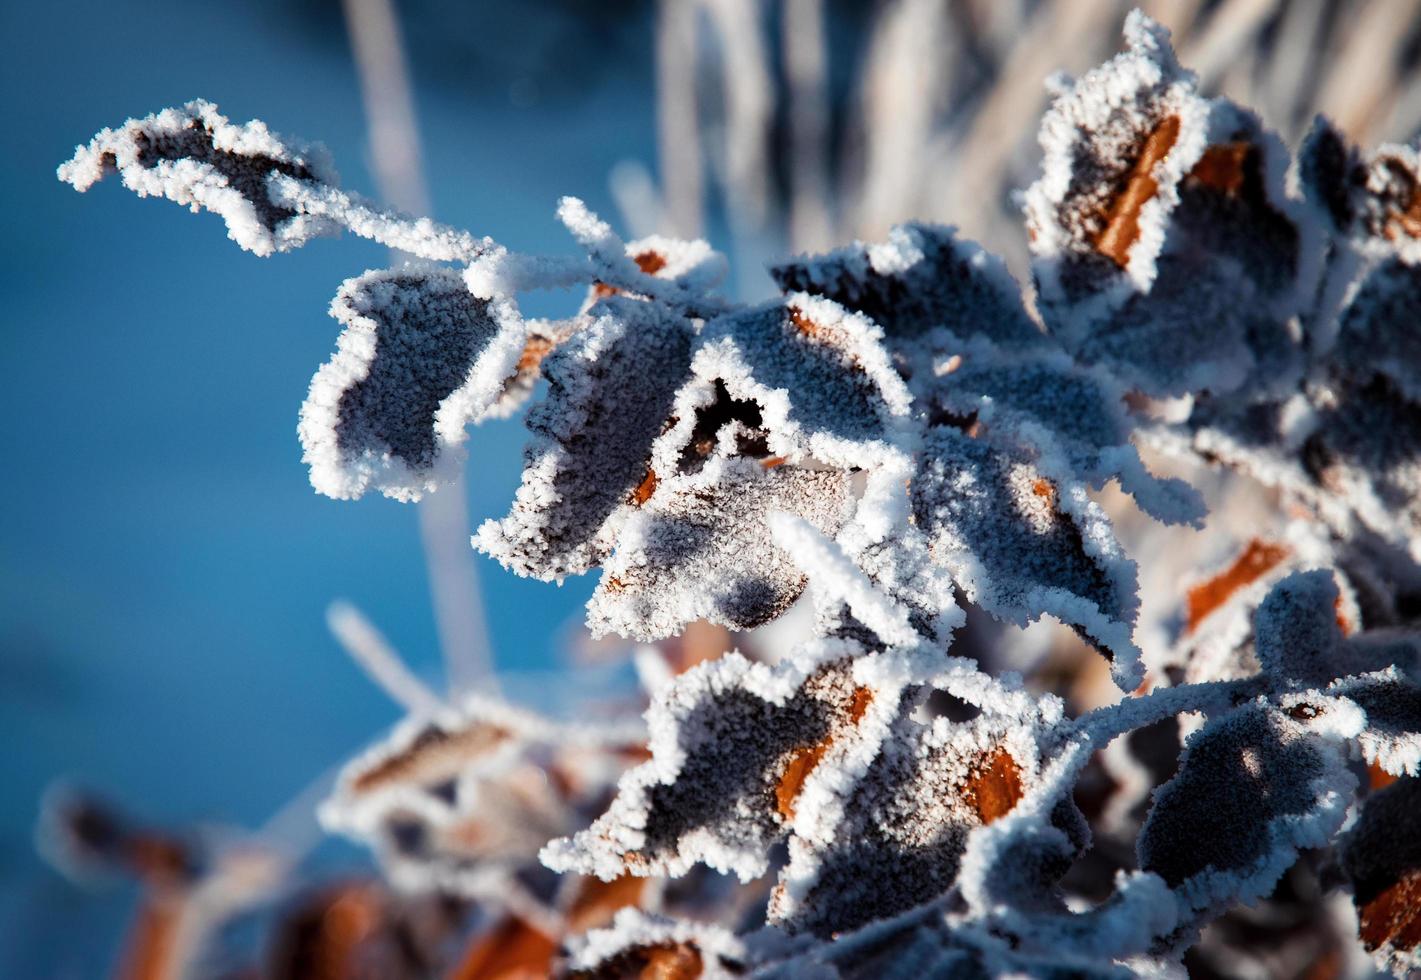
point(900, 437)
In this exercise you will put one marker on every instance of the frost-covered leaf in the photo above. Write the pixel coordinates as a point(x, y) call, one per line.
point(589, 465)
point(1350, 453)
point(638, 945)
point(1254, 787)
point(927, 943)
point(457, 801)
point(1371, 200)
point(922, 280)
point(1382, 857)
point(700, 548)
point(815, 377)
point(420, 357)
point(1362, 462)
point(1166, 247)
point(274, 193)
point(1375, 332)
point(1072, 416)
point(193, 155)
point(1296, 630)
point(733, 744)
point(902, 826)
point(1023, 546)
point(1391, 736)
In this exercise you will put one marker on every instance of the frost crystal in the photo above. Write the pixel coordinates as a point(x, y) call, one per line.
point(1023, 545)
point(420, 358)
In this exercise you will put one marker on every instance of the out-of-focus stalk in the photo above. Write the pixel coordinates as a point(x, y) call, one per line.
point(806, 70)
point(677, 114)
point(443, 516)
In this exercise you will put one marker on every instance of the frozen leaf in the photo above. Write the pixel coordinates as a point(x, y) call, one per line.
point(1363, 463)
point(733, 745)
point(1022, 545)
point(1070, 415)
point(923, 279)
point(928, 943)
point(699, 548)
point(1296, 633)
point(1166, 247)
point(193, 155)
point(643, 946)
point(905, 822)
point(1371, 200)
point(1375, 330)
point(589, 465)
point(818, 378)
point(1350, 453)
point(1391, 736)
point(457, 801)
point(1382, 857)
point(420, 357)
point(1254, 787)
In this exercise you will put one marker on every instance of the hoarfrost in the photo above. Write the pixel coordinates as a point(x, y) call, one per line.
point(589, 464)
point(1022, 545)
point(419, 359)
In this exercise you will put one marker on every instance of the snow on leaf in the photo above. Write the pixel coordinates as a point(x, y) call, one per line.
point(457, 801)
point(588, 466)
point(642, 945)
point(921, 280)
point(904, 823)
point(419, 358)
point(1022, 546)
point(1349, 452)
point(1382, 857)
point(1296, 633)
point(1254, 787)
point(1166, 247)
point(1071, 415)
point(193, 155)
point(1372, 200)
point(733, 744)
point(1362, 462)
point(1375, 329)
point(1391, 738)
point(699, 548)
point(814, 377)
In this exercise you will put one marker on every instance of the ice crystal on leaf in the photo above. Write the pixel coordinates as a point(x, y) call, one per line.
point(1023, 545)
point(420, 358)
point(1166, 248)
point(895, 433)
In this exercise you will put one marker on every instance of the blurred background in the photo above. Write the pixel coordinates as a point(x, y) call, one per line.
point(165, 567)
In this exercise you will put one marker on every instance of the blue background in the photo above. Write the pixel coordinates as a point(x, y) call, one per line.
point(164, 563)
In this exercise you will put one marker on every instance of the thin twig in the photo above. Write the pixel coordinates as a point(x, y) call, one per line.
point(373, 654)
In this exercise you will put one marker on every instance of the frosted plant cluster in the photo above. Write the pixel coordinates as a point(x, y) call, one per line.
point(895, 440)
